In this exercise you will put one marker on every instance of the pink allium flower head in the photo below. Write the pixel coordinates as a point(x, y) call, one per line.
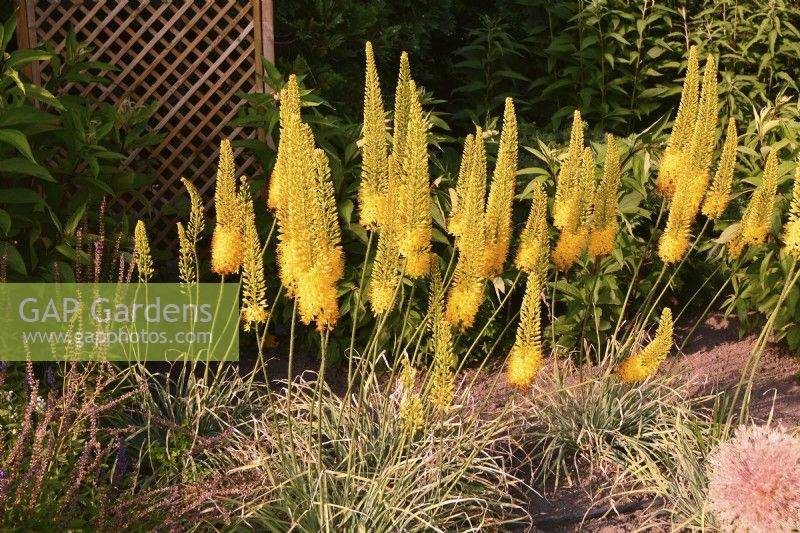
point(754, 481)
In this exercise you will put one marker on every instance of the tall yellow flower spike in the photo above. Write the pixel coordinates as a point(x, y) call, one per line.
point(466, 292)
point(691, 173)
point(646, 363)
point(254, 287)
point(443, 379)
point(533, 253)
point(604, 217)
point(674, 160)
point(374, 151)
point(141, 250)
point(189, 236)
point(310, 257)
point(457, 222)
point(719, 194)
point(415, 223)
point(757, 217)
point(526, 356)
point(385, 276)
point(226, 242)
point(402, 106)
point(686, 178)
point(575, 231)
point(704, 134)
point(791, 233)
point(569, 176)
point(501, 195)
point(289, 118)
point(197, 221)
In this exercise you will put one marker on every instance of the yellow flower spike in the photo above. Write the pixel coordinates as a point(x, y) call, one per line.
point(568, 181)
point(310, 257)
point(501, 195)
point(685, 172)
point(719, 195)
point(374, 152)
point(674, 158)
point(226, 242)
point(197, 221)
point(466, 292)
point(225, 187)
point(464, 300)
point(681, 134)
point(674, 241)
point(385, 276)
point(646, 363)
point(533, 253)
point(705, 128)
point(402, 106)
point(443, 378)
point(791, 234)
point(227, 248)
point(186, 264)
point(526, 356)
point(141, 250)
point(604, 217)
point(317, 282)
point(757, 218)
point(415, 223)
point(577, 215)
point(254, 287)
point(683, 210)
point(289, 120)
point(455, 225)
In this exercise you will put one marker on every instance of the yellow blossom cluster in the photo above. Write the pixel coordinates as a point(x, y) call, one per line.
point(405, 228)
point(604, 216)
point(685, 173)
point(227, 245)
point(646, 362)
point(481, 226)
point(757, 218)
point(310, 257)
point(526, 355)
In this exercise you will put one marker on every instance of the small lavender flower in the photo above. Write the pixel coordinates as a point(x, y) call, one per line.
point(2, 473)
point(51, 377)
point(3, 366)
point(753, 482)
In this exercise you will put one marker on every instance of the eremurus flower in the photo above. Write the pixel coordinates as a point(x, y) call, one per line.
point(646, 362)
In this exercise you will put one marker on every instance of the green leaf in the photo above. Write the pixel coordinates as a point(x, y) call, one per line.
point(18, 165)
point(14, 259)
point(8, 32)
point(16, 139)
point(43, 95)
point(74, 220)
point(25, 115)
point(20, 58)
point(5, 221)
point(20, 196)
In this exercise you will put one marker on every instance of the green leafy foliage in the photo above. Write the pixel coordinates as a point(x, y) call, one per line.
point(60, 154)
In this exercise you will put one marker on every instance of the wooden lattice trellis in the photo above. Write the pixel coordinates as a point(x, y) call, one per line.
point(190, 57)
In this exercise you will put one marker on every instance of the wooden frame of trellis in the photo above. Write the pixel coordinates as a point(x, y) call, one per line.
point(190, 57)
